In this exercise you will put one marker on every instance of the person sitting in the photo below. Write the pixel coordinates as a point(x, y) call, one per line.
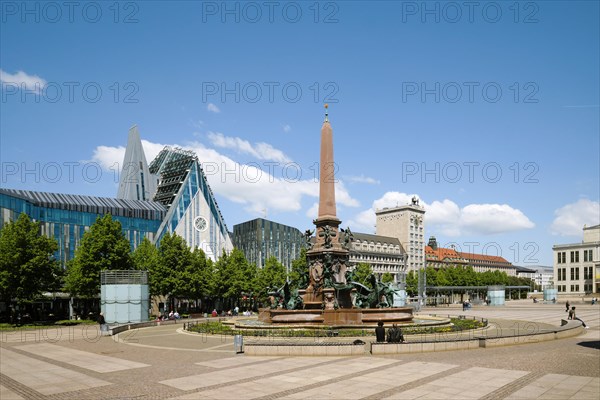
point(395, 335)
point(573, 316)
point(214, 312)
point(380, 332)
point(176, 315)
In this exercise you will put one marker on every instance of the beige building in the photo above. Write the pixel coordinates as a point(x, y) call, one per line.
point(406, 223)
point(577, 265)
point(384, 254)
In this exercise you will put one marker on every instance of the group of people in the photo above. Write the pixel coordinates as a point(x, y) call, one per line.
point(394, 334)
point(173, 315)
point(231, 313)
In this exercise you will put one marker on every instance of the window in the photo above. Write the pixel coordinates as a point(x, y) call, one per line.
point(574, 274)
point(562, 257)
point(587, 255)
point(575, 256)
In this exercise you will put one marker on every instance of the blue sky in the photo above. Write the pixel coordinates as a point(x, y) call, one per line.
point(490, 115)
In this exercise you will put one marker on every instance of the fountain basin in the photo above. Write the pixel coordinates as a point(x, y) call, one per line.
point(342, 316)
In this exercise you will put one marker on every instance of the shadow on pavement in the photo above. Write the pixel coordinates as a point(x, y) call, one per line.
point(592, 344)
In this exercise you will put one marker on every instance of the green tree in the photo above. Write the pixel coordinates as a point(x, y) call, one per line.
point(272, 275)
point(232, 276)
point(171, 277)
point(145, 258)
point(27, 264)
point(412, 282)
point(387, 278)
point(103, 247)
point(201, 275)
point(298, 275)
point(362, 271)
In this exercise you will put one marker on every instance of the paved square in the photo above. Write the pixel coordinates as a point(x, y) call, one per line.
point(166, 363)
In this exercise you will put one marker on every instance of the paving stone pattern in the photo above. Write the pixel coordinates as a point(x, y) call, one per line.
point(163, 362)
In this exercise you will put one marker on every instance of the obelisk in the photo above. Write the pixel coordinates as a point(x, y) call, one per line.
point(328, 258)
point(326, 173)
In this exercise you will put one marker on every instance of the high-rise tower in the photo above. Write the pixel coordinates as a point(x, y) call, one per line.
point(405, 223)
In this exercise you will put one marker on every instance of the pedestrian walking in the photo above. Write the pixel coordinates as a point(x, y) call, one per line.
point(102, 323)
point(568, 305)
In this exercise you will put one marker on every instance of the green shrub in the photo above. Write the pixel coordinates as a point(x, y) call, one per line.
point(218, 328)
point(71, 322)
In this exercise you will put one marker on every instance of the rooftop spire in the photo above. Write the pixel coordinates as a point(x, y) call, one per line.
point(326, 113)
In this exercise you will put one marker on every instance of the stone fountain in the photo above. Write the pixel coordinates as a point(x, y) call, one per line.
point(330, 297)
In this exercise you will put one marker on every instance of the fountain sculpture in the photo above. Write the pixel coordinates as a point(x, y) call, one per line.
point(331, 296)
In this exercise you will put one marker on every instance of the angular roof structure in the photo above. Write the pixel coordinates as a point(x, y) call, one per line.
point(91, 204)
point(136, 182)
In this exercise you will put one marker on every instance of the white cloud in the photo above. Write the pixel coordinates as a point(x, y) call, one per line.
point(111, 158)
point(213, 108)
point(488, 219)
point(32, 83)
point(287, 128)
point(447, 218)
point(363, 179)
point(248, 185)
point(260, 151)
point(313, 211)
point(570, 219)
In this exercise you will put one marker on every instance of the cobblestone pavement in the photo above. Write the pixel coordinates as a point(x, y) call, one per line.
point(164, 362)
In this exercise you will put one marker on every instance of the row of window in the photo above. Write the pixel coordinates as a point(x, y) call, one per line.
point(574, 256)
point(588, 273)
point(587, 288)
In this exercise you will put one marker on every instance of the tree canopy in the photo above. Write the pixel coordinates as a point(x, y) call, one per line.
point(103, 247)
point(463, 276)
point(362, 271)
point(27, 264)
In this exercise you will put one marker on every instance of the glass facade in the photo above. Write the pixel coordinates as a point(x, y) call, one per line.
point(260, 239)
point(184, 191)
point(68, 217)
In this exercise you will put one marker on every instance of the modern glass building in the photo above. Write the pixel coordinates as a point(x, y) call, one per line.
point(193, 212)
point(67, 217)
point(260, 239)
point(170, 195)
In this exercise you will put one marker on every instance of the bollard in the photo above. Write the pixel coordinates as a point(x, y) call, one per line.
point(238, 343)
